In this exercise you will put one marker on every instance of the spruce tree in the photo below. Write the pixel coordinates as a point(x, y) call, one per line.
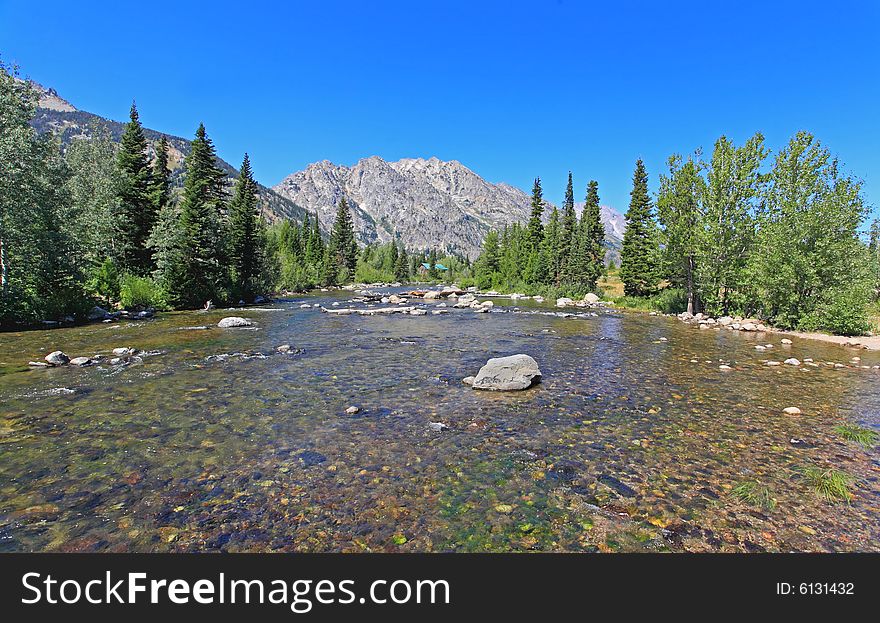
point(536, 226)
point(550, 267)
point(638, 257)
point(197, 270)
point(342, 242)
point(245, 235)
point(160, 182)
point(568, 235)
point(401, 266)
point(594, 235)
point(136, 214)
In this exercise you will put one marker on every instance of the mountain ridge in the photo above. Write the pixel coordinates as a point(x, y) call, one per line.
point(422, 202)
point(58, 115)
point(427, 202)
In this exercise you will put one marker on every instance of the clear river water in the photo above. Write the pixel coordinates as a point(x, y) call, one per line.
point(212, 440)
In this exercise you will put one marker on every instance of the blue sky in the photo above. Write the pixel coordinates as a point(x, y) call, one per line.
point(511, 89)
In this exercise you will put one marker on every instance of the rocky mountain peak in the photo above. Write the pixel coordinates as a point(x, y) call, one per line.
point(424, 202)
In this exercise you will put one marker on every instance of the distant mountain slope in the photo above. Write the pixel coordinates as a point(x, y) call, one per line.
point(60, 116)
point(425, 203)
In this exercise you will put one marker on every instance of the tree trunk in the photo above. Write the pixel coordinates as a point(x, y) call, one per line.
point(4, 270)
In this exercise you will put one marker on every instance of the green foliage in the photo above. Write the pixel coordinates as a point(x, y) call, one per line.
point(137, 292)
point(809, 263)
point(136, 213)
point(755, 494)
point(41, 273)
point(639, 256)
point(342, 250)
point(830, 484)
point(680, 209)
point(246, 237)
point(670, 301)
point(863, 436)
point(195, 269)
point(104, 282)
point(733, 188)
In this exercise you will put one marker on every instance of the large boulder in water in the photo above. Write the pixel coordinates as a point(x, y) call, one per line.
point(57, 358)
point(234, 321)
point(508, 374)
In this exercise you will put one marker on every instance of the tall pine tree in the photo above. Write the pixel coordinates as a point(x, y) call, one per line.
point(638, 257)
point(343, 247)
point(589, 253)
point(196, 272)
point(160, 181)
point(136, 213)
point(568, 235)
point(245, 235)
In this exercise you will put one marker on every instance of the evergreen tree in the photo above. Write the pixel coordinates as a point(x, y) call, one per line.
point(432, 264)
point(638, 257)
point(343, 247)
point(401, 265)
point(588, 245)
point(568, 235)
point(160, 180)
point(136, 211)
point(245, 235)
point(551, 265)
point(196, 271)
point(536, 226)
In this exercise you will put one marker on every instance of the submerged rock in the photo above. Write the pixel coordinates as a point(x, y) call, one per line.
point(57, 358)
point(508, 373)
point(310, 458)
point(612, 482)
point(234, 321)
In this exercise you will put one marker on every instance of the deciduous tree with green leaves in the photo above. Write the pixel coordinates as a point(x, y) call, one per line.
point(681, 215)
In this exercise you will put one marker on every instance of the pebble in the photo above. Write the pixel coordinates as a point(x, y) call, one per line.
point(352, 410)
point(437, 427)
point(791, 411)
point(791, 361)
point(785, 340)
point(724, 367)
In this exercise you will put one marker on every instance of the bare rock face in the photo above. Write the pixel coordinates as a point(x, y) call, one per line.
point(427, 203)
point(508, 374)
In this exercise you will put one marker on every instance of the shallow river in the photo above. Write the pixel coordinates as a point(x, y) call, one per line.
point(629, 444)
